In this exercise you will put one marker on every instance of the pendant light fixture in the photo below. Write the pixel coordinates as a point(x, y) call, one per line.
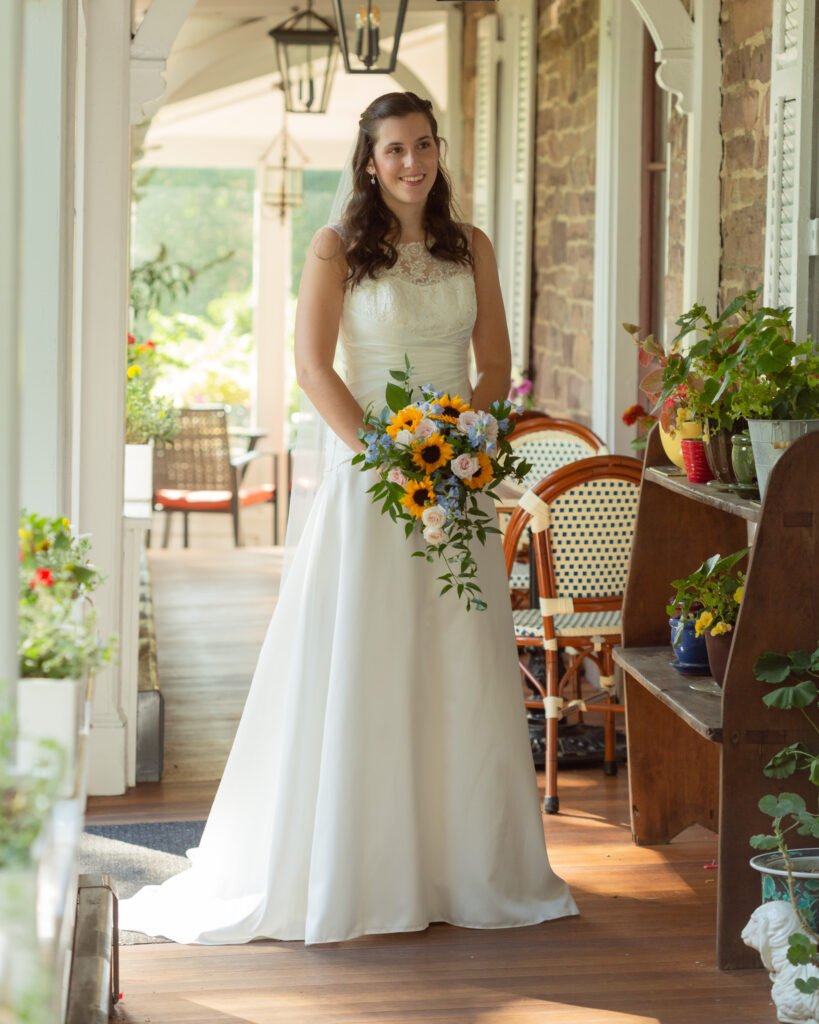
point(306, 52)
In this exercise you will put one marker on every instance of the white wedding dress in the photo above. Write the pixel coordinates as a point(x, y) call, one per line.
point(381, 776)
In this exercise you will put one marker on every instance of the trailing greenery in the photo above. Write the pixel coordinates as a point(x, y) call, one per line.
point(788, 811)
point(58, 639)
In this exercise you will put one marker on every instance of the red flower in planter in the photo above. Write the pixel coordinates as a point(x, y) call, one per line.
point(632, 414)
point(131, 339)
point(42, 578)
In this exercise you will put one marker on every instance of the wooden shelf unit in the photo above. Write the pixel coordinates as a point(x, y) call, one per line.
point(696, 758)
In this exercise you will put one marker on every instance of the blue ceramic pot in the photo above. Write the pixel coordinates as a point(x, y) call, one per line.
point(690, 649)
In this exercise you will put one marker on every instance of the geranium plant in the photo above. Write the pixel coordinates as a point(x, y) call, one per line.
point(710, 596)
point(147, 417)
point(670, 406)
point(49, 553)
point(57, 637)
point(788, 811)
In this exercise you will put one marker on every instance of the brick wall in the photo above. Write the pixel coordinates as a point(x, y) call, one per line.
point(563, 241)
point(745, 39)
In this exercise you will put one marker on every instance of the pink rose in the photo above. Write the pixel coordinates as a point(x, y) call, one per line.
point(433, 517)
point(395, 476)
point(491, 426)
point(466, 420)
point(434, 535)
point(426, 428)
point(464, 466)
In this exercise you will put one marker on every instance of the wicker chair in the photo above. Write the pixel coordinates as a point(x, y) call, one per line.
point(198, 473)
point(547, 444)
point(581, 519)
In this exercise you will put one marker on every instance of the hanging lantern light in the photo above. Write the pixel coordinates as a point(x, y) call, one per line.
point(283, 187)
point(307, 52)
point(361, 27)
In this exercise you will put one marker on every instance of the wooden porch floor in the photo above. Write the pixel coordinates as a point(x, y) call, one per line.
point(641, 951)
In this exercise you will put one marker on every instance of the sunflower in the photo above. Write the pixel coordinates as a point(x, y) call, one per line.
point(451, 408)
point(431, 452)
point(418, 495)
point(407, 418)
point(484, 474)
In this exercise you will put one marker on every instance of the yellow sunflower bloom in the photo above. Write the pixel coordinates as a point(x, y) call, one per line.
point(406, 419)
point(721, 628)
point(484, 474)
point(738, 593)
point(431, 452)
point(133, 371)
point(418, 495)
point(451, 408)
point(703, 622)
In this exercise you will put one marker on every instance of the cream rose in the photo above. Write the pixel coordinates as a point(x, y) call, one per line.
point(426, 428)
point(466, 420)
point(434, 535)
point(395, 476)
point(464, 466)
point(434, 517)
point(404, 437)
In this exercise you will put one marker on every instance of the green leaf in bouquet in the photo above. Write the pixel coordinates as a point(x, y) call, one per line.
point(397, 398)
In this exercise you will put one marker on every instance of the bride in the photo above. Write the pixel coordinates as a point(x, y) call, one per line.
point(381, 776)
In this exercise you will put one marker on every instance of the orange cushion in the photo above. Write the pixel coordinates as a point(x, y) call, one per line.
point(212, 501)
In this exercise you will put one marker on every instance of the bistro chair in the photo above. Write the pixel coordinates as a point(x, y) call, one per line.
point(197, 472)
point(547, 444)
point(581, 519)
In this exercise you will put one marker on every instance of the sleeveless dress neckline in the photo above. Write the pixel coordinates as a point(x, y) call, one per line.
point(381, 776)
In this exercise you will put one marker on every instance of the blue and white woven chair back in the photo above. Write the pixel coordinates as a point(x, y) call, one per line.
point(592, 527)
point(548, 450)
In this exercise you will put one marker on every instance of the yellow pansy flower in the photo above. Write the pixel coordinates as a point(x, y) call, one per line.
point(703, 622)
point(738, 594)
point(721, 628)
point(134, 371)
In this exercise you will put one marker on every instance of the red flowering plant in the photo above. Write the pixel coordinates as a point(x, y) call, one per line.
point(51, 554)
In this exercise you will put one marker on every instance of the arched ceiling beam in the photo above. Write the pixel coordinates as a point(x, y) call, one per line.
point(672, 30)
point(149, 52)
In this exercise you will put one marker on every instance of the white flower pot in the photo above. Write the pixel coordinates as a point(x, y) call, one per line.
point(50, 709)
point(139, 472)
point(770, 439)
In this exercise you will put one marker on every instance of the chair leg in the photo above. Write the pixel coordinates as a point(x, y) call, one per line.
point(185, 535)
point(237, 540)
point(551, 801)
point(166, 533)
point(610, 756)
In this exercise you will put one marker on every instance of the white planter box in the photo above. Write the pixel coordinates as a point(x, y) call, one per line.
point(50, 709)
point(24, 983)
point(139, 472)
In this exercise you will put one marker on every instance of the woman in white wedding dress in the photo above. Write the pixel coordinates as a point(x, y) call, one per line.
point(381, 776)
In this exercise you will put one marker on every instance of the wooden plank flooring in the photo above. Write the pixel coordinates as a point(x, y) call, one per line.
point(641, 951)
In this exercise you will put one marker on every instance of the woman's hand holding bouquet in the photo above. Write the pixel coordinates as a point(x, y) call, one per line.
point(434, 454)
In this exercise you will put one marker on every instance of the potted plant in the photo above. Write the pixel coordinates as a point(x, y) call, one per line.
point(148, 418)
point(775, 385)
point(58, 645)
point(704, 611)
point(787, 938)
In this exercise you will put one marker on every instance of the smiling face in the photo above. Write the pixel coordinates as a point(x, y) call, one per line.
point(404, 160)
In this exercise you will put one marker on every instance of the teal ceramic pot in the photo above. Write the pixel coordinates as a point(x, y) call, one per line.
point(805, 880)
point(742, 458)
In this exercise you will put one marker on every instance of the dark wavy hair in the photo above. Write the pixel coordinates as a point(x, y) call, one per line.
point(369, 225)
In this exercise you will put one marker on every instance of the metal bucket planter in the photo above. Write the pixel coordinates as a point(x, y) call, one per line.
point(771, 867)
point(770, 439)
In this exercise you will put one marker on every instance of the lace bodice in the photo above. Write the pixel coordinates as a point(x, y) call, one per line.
point(422, 307)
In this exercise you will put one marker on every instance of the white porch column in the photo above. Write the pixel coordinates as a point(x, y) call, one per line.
point(617, 220)
point(703, 155)
point(271, 287)
point(47, 254)
point(11, 47)
point(102, 363)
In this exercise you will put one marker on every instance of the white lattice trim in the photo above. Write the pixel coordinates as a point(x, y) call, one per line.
point(537, 509)
point(556, 605)
point(552, 706)
point(607, 683)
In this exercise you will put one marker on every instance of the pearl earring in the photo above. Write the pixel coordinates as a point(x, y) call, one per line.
point(372, 179)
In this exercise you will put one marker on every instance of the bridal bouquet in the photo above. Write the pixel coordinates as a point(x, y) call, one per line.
point(434, 454)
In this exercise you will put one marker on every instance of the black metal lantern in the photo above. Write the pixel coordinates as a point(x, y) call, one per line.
point(362, 26)
point(283, 187)
point(306, 51)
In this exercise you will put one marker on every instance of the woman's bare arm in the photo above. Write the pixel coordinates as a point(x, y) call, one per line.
point(490, 337)
point(318, 313)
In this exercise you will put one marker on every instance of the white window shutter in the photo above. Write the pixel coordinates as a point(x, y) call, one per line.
point(789, 230)
point(504, 156)
point(486, 125)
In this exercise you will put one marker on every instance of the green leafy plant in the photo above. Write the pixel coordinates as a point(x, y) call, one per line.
point(57, 637)
point(789, 812)
point(148, 417)
point(711, 595)
point(51, 554)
